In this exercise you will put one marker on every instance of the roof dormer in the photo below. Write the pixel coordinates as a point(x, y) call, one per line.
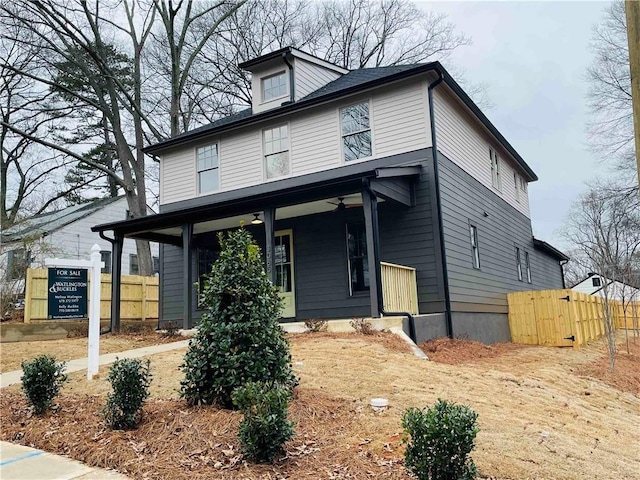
point(287, 75)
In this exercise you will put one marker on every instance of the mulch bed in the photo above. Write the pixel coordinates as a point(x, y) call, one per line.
point(179, 442)
point(387, 339)
point(458, 350)
point(626, 374)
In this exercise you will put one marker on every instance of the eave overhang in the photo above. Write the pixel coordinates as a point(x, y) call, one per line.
point(550, 250)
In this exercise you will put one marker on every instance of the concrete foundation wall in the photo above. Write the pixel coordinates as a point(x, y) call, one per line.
point(483, 327)
point(427, 326)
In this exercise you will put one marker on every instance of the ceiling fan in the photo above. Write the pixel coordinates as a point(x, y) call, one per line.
point(340, 206)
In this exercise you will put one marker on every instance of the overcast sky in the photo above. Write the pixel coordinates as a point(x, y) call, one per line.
point(533, 57)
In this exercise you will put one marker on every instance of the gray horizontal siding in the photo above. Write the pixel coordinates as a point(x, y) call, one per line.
point(464, 201)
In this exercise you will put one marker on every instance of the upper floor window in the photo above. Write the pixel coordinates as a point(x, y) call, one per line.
point(517, 187)
point(274, 86)
point(496, 179)
point(527, 266)
point(475, 250)
point(208, 168)
point(356, 131)
point(519, 263)
point(358, 260)
point(523, 184)
point(595, 281)
point(276, 151)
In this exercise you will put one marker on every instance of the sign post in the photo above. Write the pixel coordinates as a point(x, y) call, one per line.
point(67, 297)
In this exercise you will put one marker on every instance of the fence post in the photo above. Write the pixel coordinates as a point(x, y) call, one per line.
point(144, 298)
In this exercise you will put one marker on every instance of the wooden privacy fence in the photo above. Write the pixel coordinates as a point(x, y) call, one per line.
point(139, 296)
point(563, 318)
point(399, 288)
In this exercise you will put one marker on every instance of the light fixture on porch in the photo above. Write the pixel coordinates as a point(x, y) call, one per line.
point(256, 220)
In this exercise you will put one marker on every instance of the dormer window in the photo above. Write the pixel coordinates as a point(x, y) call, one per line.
point(274, 86)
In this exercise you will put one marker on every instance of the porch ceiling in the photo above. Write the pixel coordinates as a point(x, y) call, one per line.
point(296, 197)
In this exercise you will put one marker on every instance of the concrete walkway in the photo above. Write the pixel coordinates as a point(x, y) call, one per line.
point(11, 378)
point(24, 463)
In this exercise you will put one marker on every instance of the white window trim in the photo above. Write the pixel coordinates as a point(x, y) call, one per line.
point(516, 181)
point(286, 83)
point(264, 153)
point(496, 171)
point(519, 263)
point(368, 100)
point(527, 265)
point(219, 168)
point(475, 246)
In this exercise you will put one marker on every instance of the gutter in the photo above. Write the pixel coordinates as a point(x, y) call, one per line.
point(112, 242)
point(562, 264)
point(376, 256)
point(436, 178)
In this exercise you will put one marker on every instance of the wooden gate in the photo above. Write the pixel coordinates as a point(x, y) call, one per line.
point(561, 318)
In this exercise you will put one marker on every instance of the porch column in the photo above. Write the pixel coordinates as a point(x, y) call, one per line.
point(370, 207)
point(269, 246)
point(187, 276)
point(116, 281)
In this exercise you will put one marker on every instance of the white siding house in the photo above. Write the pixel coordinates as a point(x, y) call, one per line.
point(595, 284)
point(67, 233)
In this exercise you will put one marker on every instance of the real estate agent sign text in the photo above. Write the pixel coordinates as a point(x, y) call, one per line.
point(67, 293)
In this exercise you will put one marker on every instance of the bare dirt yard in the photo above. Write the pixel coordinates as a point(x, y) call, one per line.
point(544, 413)
point(12, 354)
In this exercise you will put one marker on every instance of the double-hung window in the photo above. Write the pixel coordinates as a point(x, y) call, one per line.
point(496, 179)
point(475, 250)
point(356, 131)
point(517, 187)
point(358, 260)
point(519, 263)
point(274, 86)
point(276, 151)
point(527, 265)
point(208, 168)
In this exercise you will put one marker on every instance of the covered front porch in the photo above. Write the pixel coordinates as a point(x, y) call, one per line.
point(321, 239)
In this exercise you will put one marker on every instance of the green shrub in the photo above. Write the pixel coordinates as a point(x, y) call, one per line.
point(239, 339)
point(41, 381)
point(264, 428)
point(439, 441)
point(130, 379)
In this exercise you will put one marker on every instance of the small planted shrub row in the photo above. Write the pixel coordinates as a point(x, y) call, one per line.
point(439, 440)
point(130, 380)
point(43, 377)
point(264, 429)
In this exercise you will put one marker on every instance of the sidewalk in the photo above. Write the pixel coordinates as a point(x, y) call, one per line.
point(24, 463)
point(11, 378)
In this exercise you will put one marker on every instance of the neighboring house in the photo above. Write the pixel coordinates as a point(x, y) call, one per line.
point(337, 170)
point(595, 284)
point(65, 233)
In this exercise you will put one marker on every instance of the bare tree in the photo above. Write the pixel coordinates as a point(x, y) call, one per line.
point(604, 227)
point(609, 97)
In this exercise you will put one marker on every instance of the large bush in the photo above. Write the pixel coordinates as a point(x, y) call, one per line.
point(130, 379)
point(264, 428)
point(41, 381)
point(440, 440)
point(239, 339)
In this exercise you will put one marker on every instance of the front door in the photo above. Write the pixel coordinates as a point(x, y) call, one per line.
point(284, 272)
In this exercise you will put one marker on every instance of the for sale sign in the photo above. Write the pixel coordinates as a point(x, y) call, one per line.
point(67, 296)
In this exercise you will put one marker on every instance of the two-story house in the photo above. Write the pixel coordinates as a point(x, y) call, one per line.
point(336, 172)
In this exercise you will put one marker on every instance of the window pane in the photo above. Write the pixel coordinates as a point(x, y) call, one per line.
point(283, 277)
point(133, 264)
point(357, 146)
point(105, 256)
point(274, 86)
point(277, 164)
point(208, 181)
point(207, 157)
point(355, 118)
point(358, 263)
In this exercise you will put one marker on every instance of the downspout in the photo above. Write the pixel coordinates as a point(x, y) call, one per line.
point(562, 264)
point(292, 96)
point(376, 257)
point(436, 179)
